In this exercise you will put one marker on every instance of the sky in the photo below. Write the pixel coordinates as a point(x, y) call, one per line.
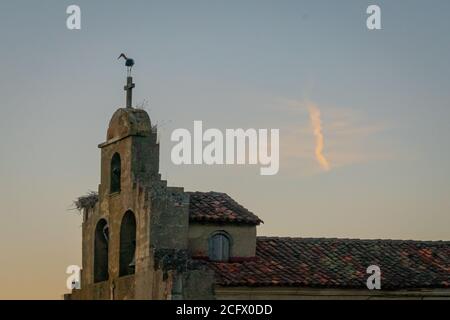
point(375, 105)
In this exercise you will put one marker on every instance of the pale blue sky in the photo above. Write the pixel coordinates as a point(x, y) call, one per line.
point(384, 97)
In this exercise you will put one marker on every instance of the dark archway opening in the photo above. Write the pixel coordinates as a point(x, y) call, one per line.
point(127, 244)
point(101, 251)
point(115, 173)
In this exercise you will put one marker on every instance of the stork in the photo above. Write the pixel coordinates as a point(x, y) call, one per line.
point(129, 63)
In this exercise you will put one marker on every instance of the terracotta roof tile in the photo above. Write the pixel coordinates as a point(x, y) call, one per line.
point(340, 263)
point(218, 208)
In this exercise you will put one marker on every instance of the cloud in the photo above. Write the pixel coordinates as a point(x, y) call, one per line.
point(330, 136)
point(316, 122)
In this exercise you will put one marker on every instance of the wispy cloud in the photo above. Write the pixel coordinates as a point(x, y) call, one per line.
point(316, 123)
point(330, 136)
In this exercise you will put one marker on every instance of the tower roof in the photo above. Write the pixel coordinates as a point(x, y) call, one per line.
point(128, 122)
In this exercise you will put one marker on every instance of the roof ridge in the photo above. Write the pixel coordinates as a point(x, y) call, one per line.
point(211, 191)
point(219, 207)
point(352, 239)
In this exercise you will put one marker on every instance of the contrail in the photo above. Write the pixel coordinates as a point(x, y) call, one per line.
point(314, 115)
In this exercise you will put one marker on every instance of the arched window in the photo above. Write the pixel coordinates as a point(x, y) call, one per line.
point(101, 251)
point(127, 244)
point(219, 246)
point(115, 173)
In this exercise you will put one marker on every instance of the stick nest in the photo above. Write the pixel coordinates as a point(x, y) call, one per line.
point(87, 201)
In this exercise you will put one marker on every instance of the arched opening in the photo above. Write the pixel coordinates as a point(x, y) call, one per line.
point(101, 251)
point(115, 173)
point(127, 244)
point(219, 246)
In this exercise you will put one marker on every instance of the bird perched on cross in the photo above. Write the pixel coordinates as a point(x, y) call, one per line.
point(129, 63)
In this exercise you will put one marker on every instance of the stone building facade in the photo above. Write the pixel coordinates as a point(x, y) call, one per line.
point(142, 239)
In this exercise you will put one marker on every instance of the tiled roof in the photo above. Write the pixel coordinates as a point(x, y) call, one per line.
point(339, 263)
point(218, 207)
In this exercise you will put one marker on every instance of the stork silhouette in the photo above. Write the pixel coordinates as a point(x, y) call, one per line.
point(129, 63)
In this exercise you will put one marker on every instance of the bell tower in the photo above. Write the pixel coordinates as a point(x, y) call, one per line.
point(135, 233)
point(129, 173)
point(137, 214)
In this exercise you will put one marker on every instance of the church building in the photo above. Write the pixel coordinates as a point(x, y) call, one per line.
point(143, 239)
